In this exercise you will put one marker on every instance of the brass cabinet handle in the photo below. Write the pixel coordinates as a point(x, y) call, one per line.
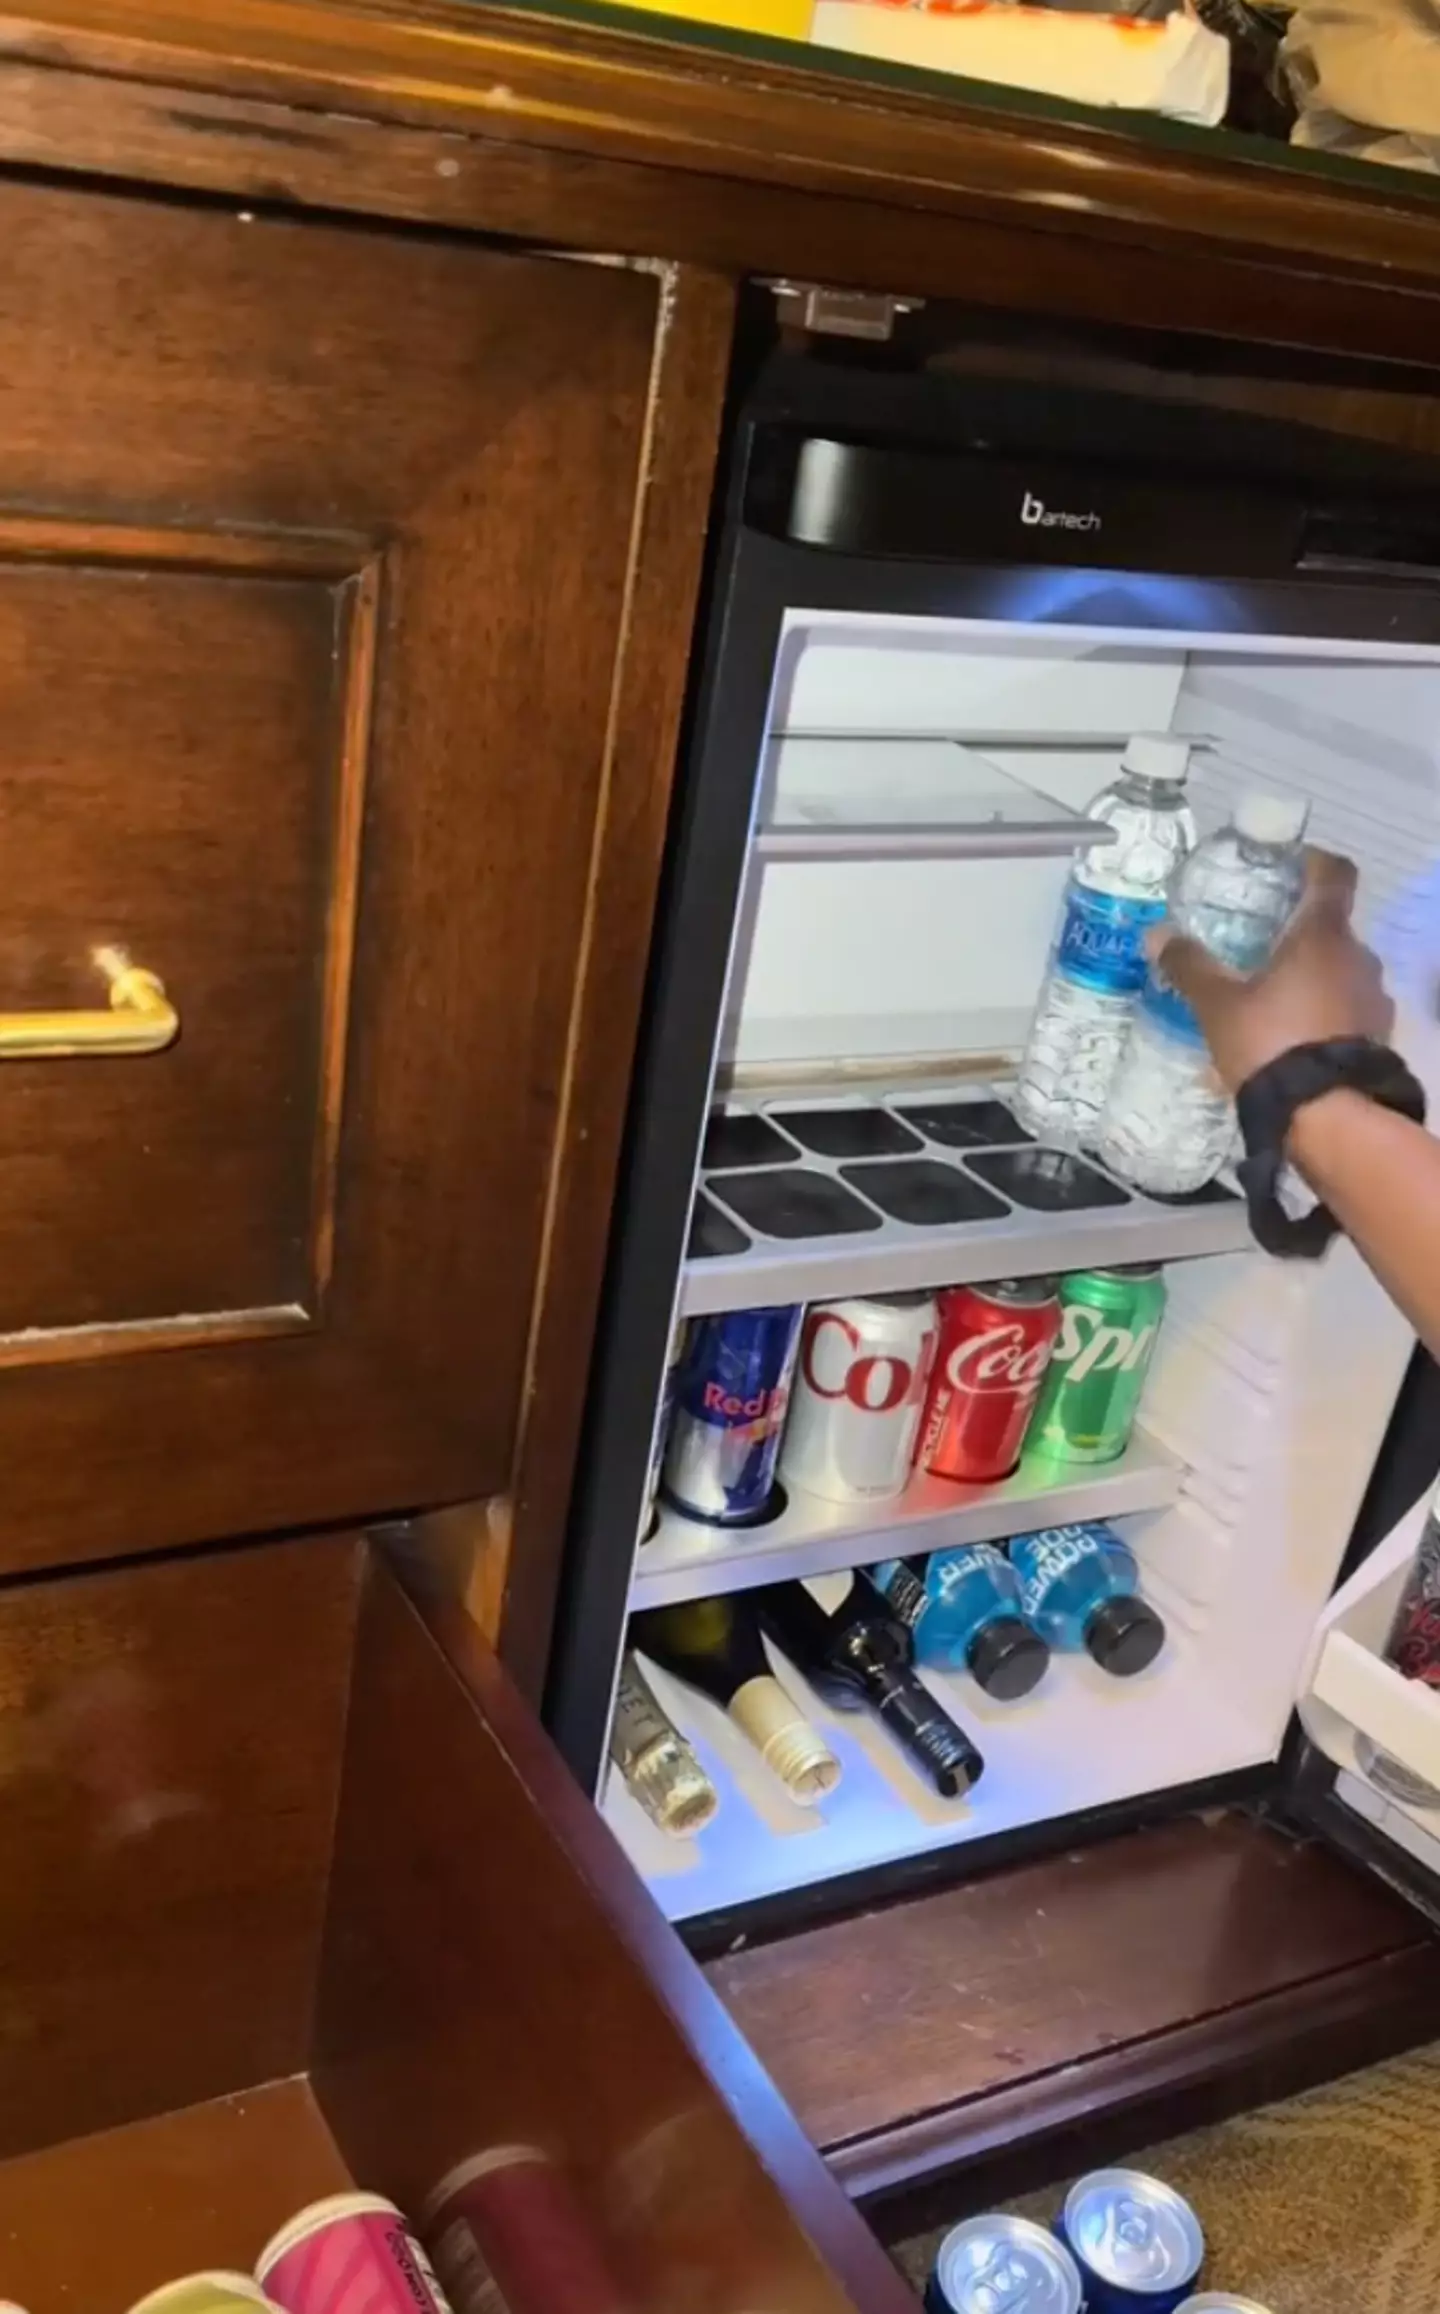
point(141, 1019)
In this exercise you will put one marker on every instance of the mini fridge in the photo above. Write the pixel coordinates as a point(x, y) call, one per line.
point(937, 610)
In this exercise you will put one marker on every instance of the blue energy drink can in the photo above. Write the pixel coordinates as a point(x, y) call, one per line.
point(1222, 2302)
point(1136, 2241)
point(1000, 2261)
point(730, 1399)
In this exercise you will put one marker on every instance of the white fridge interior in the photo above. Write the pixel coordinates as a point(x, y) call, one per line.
point(874, 961)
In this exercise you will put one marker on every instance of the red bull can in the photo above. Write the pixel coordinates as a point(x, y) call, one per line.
point(731, 1393)
point(1136, 2241)
point(1222, 2302)
point(1000, 2261)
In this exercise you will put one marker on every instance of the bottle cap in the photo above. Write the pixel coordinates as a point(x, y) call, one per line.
point(1007, 1658)
point(785, 1740)
point(1124, 1635)
point(673, 1789)
point(1271, 819)
point(1155, 755)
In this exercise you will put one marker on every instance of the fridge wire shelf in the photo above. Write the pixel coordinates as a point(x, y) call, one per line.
point(687, 1559)
point(927, 1189)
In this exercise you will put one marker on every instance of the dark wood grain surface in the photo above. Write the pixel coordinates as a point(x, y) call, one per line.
point(671, 517)
point(624, 90)
point(950, 2027)
point(169, 1763)
point(88, 2226)
point(494, 1972)
point(612, 139)
point(311, 618)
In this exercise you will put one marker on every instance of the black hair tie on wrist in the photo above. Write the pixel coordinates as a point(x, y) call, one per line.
point(1265, 1106)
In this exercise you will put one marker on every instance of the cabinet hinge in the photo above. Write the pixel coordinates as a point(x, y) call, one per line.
point(839, 312)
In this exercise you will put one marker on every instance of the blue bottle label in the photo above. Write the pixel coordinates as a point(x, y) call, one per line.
point(1102, 940)
point(949, 1569)
point(1041, 1559)
point(1166, 1007)
point(903, 1591)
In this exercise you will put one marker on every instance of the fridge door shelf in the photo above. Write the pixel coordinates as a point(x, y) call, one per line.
point(1400, 1716)
point(685, 1559)
point(841, 1214)
point(1350, 1692)
point(906, 796)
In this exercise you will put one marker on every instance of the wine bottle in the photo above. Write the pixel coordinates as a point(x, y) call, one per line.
point(856, 1654)
point(657, 1763)
point(715, 1644)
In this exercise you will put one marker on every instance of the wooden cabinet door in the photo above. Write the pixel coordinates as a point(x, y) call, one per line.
point(313, 557)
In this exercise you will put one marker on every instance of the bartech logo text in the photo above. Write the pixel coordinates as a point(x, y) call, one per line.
point(1038, 516)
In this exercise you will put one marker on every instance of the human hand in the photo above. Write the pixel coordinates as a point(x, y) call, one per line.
point(1321, 981)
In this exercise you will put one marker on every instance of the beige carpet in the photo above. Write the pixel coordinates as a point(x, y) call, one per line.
point(1329, 2204)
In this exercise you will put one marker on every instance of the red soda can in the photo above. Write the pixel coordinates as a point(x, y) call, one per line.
point(858, 1395)
point(995, 1343)
point(350, 2254)
point(509, 2237)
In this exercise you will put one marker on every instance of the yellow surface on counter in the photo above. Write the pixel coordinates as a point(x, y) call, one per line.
point(782, 19)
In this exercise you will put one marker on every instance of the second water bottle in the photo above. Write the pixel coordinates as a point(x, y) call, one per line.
point(1169, 1124)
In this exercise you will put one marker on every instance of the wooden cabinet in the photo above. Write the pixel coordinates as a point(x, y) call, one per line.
point(314, 554)
point(306, 1899)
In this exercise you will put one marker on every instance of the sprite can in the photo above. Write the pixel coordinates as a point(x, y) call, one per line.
point(1109, 1319)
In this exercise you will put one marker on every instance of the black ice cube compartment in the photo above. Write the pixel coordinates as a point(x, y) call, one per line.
point(963, 1124)
point(849, 1131)
point(712, 1233)
point(924, 1193)
point(738, 1137)
point(1047, 1180)
point(791, 1201)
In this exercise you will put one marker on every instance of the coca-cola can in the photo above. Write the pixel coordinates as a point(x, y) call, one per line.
point(995, 1343)
point(858, 1395)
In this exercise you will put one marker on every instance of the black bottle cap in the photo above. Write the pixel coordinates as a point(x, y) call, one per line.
point(1007, 1658)
point(1124, 1635)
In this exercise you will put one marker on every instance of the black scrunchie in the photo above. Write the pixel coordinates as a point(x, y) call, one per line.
point(1265, 1106)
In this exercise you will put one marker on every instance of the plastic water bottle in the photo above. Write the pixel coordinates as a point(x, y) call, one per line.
point(1080, 1588)
point(962, 1607)
point(1097, 965)
point(1169, 1124)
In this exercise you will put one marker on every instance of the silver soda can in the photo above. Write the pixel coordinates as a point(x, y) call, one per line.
point(1136, 2241)
point(1221, 2302)
point(858, 1396)
point(1000, 2261)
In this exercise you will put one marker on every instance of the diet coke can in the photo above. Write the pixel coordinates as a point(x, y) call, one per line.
point(995, 1343)
point(858, 1395)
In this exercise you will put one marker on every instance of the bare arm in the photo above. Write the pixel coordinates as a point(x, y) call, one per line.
point(1378, 1173)
point(1380, 1177)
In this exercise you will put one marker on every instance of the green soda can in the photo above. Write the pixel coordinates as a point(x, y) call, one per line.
point(1109, 1319)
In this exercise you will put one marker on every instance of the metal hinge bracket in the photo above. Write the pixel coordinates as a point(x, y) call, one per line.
point(839, 312)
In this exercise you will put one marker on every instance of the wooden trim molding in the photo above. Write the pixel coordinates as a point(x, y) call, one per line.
point(671, 512)
point(1077, 2007)
point(593, 136)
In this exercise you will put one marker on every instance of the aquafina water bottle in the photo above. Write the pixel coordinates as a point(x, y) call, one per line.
point(1097, 965)
point(1169, 1124)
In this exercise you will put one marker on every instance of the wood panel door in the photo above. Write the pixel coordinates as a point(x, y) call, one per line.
point(314, 551)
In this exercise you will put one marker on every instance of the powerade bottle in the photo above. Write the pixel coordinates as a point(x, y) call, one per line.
point(963, 1611)
point(1080, 1587)
point(1097, 966)
point(1169, 1124)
